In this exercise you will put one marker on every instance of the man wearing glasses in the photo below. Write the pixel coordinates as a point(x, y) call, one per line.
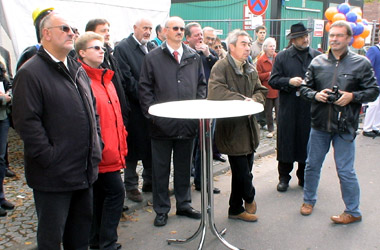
point(54, 113)
point(172, 72)
point(337, 84)
point(130, 53)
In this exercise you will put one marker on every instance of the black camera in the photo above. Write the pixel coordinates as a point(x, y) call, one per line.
point(334, 95)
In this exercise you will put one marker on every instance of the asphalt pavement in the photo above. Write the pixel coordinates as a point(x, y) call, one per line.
point(280, 225)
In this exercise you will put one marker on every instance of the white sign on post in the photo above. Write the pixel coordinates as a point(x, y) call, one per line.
point(319, 25)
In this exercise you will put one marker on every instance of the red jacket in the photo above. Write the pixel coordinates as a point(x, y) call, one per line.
point(113, 132)
point(264, 67)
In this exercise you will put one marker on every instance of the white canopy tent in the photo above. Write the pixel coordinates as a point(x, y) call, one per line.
point(17, 30)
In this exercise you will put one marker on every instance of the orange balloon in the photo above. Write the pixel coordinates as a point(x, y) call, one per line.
point(327, 26)
point(338, 17)
point(358, 11)
point(365, 32)
point(358, 42)
point(330, 13)
point(359, 19)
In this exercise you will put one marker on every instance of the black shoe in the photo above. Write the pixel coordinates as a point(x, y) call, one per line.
point(282, 186)
point(372, 134)
point(7, 205)
point(301, 183)
point(9, 173)
point(161, 220)
point(117, 246)
point(216, 190)
point(147, 188)
point(2, 212)
point(125, 208)
point(220, 158)
point(190, 212)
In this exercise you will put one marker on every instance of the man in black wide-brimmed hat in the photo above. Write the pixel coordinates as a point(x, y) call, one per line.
point(293, 121)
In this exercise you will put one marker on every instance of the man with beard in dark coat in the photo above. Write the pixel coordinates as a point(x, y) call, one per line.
point(130, 53)
point(293, 121)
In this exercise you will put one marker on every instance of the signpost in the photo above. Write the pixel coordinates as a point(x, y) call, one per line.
point(258, 7)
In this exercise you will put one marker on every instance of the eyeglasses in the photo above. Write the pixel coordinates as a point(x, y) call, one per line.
point(97, 48)
point(176, 28)
point(64, 28)
point(217, 46)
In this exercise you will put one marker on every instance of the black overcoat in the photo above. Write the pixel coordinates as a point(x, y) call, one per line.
point(130, 56)
point(293, 121)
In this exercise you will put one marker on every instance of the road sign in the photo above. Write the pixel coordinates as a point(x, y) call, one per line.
point(258, 7)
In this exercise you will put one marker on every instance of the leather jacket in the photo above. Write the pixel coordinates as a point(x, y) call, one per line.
point(352, 73)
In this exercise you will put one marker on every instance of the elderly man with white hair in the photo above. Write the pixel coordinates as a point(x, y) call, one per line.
point(130, 53)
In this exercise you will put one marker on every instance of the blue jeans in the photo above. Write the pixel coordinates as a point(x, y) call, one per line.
point(4, 127)
point(344, 155)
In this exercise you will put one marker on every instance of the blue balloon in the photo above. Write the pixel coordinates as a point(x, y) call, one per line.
point(353, 27)
point(352, 41)
point(359, 29)
point(351, 17)
point(343, 8)
point(365, 22)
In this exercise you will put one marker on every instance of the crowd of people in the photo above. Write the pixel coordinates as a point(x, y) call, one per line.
point(81, 109)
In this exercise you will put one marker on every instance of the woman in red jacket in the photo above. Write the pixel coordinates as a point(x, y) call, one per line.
point(108, 189)
point(264, 68)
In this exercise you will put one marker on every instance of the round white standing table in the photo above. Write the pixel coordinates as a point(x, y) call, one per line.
point(204, 110)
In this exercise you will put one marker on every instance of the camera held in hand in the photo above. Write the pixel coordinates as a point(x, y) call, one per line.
point(334, 95)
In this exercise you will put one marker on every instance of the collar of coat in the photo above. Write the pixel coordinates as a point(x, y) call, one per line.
point(134, 44)
point(332, 57)
point(293, 51)
point(248, 68)
point(72, 65)
point(187, 51)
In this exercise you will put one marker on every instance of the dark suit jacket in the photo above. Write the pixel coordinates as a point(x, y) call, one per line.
point(129, 55)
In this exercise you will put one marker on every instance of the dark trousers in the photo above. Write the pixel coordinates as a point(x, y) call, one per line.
point(284, 169)
point(4, 127)
point(131, 178)
point(268, 110)
point(241, 185)
point(108, 205)
point(63, 217)
point(161, 157)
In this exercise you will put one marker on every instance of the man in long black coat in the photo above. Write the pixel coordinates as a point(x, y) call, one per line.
point(293, 119)
point(130, 53)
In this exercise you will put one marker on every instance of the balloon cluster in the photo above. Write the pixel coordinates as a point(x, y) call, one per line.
point(359, 26)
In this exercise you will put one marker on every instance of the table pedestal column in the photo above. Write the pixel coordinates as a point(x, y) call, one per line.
point(207, 188)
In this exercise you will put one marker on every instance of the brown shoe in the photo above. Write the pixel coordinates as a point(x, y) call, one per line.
point(306, 209)
point(244, 216)
point(345, 218)
point(251, 207)
point(134, 195)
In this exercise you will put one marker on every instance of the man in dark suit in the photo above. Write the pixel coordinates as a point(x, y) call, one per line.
point(130, 53)
point(171, 69)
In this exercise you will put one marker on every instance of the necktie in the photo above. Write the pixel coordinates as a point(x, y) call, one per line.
point(144, 48)
point(175, 54)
